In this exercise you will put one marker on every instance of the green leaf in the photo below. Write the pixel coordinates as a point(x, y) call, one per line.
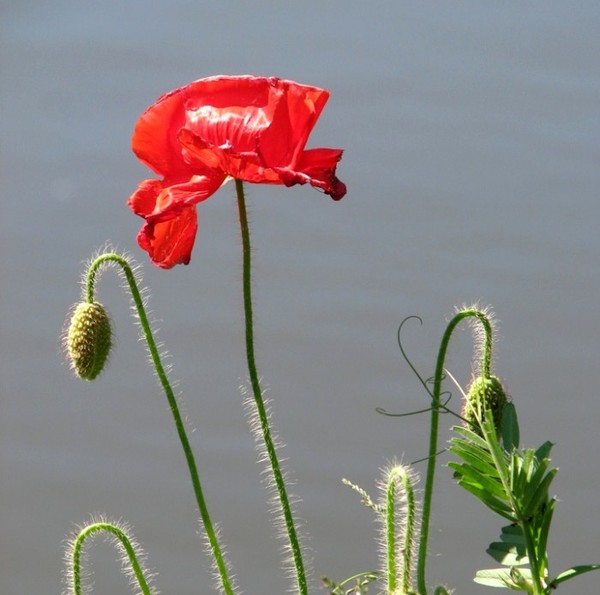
point(511, 550)
point(470, 476)
point(489, 484)
point(493, 577)
point(509, 554)
point(510, 578)
point(498, 506)
point(539, 495)
point(471, 437)
point(510, 428)
point(474, 456)
point(544, 531)
point(543, 451)
point(512, 534)
point(572, 572)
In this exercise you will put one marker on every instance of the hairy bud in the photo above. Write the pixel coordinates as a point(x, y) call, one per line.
point(88, 339)
point(484, 393)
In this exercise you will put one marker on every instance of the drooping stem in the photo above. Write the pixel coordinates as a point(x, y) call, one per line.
point(166, 386)
point(102, 526)
point(434, 427)
point(258, 398)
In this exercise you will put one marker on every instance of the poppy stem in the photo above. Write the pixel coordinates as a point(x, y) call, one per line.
point(129, 548)
point(258, 397)
point(434, 427)
point(211, 534)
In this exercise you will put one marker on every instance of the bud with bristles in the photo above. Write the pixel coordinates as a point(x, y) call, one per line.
point(484, 393)
point(88, 339)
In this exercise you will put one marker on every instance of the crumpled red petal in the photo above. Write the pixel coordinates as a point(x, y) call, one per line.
point(170, 242)
point(161, 200)
point(317, 168)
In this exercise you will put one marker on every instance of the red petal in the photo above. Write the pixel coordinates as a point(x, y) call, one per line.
point(243, 166)
point(160, 200)
point(298, 109)
point(234, 113)
point(317, 168)
point(154, 138)
point(170, 242)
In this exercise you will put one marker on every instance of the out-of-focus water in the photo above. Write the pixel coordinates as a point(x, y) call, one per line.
point(472, 137)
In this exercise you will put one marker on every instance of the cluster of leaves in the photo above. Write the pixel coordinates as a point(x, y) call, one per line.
point(514, 483)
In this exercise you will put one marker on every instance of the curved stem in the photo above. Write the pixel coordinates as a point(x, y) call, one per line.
point(164, 381)
point(257, 394)
point(86, 532)
point(434, 427)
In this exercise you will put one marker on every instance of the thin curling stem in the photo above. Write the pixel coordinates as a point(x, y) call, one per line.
point(164, 381)
point(434, 427)
point(88, 531)
point(257, 394)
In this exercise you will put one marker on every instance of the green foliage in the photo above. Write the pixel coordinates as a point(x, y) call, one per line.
point(514, 484)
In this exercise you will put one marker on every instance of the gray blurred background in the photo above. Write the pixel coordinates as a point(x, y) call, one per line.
point(472, 135)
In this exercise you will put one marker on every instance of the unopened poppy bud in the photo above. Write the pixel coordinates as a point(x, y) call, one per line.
point(484, 393)
point(88, 339)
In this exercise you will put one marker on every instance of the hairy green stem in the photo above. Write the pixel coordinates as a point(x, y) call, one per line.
point(258, 398)
point(164, 381)
point(434, 427)
point(89, 530)
point(390, 526)
point(399, 478)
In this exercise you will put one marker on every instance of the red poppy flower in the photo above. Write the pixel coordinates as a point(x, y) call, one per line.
point(199, 136)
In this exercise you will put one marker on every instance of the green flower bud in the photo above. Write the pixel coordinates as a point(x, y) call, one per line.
point(88, 339)
point(484, 394)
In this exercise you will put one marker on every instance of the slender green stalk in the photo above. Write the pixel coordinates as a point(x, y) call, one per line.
point(397, 478)
point(89, 530)
point(390, 526)
point(164, 381)
point(257, 394)
point(434, 427)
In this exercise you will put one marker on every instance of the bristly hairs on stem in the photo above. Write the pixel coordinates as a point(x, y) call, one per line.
point(484, 330)
point(262, 414)
point(396, 512)
point(130, 272)
point(268, 480)
point(78, 574)
point(399, 521)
